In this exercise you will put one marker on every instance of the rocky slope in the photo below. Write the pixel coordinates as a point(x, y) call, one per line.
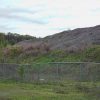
point(75, 40)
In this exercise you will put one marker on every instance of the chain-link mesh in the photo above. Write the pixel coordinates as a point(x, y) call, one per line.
point(53, 72)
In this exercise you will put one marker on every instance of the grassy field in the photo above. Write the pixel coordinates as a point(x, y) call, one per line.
point(50, 91)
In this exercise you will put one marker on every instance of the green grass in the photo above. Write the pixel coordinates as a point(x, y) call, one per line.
point(61, 91)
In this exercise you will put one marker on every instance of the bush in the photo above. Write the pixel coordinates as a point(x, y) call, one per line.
point(13, 51)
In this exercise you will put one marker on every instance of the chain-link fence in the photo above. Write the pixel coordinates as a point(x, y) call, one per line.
point(51, 72)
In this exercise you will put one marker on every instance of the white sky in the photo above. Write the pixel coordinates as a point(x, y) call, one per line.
point(45, 17)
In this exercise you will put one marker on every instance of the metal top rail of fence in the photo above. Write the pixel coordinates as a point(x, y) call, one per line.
point(54, 63)
point(51, 71)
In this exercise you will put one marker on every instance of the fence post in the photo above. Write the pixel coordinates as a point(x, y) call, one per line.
point(81, 72)
point(58, 72)
point(38, 74)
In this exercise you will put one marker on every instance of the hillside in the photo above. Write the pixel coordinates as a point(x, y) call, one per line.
point(75, 39)
point(82, 44)
point(79, 38)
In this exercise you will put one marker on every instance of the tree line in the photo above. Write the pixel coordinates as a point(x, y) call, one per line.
point(13, 38)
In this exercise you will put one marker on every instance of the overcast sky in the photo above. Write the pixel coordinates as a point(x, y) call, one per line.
point(45, 17)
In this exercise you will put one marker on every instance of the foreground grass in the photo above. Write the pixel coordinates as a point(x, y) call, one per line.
point(61, 91)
